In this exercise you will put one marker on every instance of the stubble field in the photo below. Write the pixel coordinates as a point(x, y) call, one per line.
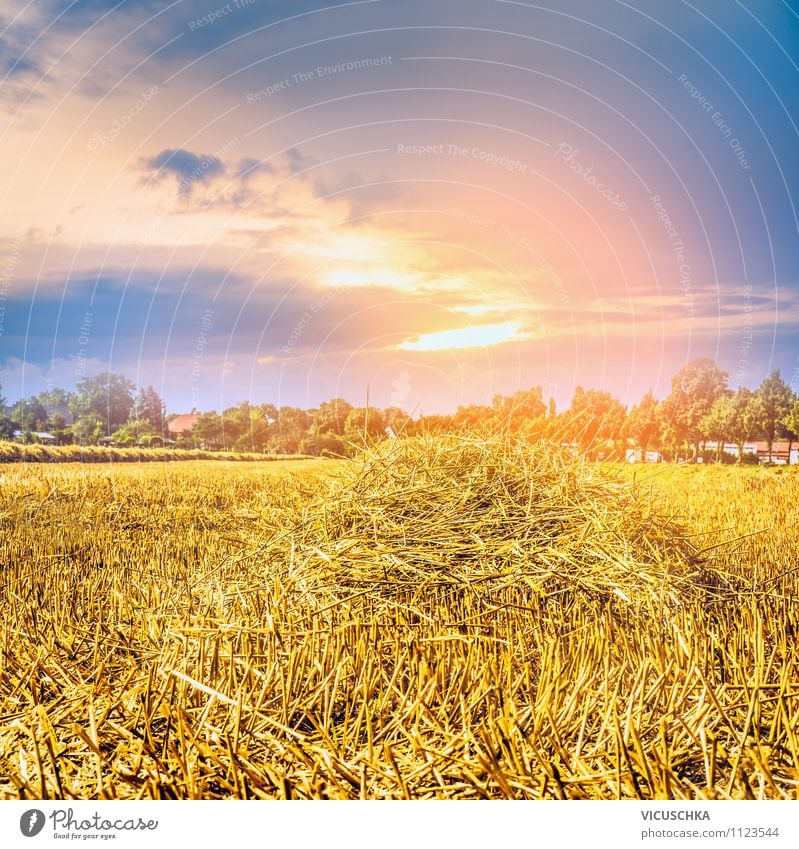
point(436, 619)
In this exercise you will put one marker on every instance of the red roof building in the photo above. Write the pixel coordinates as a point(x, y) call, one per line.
point(180, 425)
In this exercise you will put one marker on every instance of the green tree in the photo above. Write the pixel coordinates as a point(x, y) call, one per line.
point(89, 429)
point(107, 397)
point(643, 423)
point(134, 431)
point(775, 399)
point(594, 418)
point(364, 426)
point(791, 424)
point(56, 401)
point(322, 445)
point(208, 430)
point(30, 414)
point(515, 412)
point(472, 417)
point(715, 423)
point(293, 426)
point(7, 427)
point(743, 415)
point(331, 417)
point(149, 407)
point(694, 390)
point(435, 423)
point(398, 420)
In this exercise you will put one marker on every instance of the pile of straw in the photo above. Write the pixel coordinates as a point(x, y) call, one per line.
point(464, 513)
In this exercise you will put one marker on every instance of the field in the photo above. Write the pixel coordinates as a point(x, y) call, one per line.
point(436, 619)
point(14, 452)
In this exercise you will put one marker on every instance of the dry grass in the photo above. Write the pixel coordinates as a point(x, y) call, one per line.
point(439, 618)
point(14, 452)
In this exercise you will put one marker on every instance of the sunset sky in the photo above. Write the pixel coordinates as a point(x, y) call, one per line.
point(440, 200)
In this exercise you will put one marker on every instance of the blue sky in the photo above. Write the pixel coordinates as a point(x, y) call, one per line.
point(458, 198)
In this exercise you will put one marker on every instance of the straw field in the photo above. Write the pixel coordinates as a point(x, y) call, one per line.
point(437, 618)
point(13, 452)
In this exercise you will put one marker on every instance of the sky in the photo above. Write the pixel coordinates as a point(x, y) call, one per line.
point(426, 202)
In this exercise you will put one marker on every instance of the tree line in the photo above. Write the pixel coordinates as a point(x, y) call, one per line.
point(700, 409)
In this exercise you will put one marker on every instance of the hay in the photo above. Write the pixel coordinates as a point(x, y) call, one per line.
point(447, 511)
point(438, 619)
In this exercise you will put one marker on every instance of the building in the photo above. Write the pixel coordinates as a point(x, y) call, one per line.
point(749, 448)
point(782, 453)
point(636, 455)
point(41, 436)
point(181, 425)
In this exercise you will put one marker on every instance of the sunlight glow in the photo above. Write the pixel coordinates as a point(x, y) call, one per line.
point(464, 337)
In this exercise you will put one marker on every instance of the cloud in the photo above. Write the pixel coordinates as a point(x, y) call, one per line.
point(249, 168)
point(298, 161)
point(187, 167)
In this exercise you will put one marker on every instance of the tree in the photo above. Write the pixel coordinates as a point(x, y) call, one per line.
point(292, 427)
point(107, 397)
point(775, 399)
point(134, 431)
point(30, 414)
point(514, 411)
point(149, 407)
point(89, 428)
point(743, 416)
point(595, 417)
point(434, 423)
point(643, 423)
point(471, 417)
point(364, 426)
point(791, 424)
point(397, 419)
point(56, 401)
point(694, 389)
point(7, 427)
point(331, 416)
point(208, 430)
point(714, 425)
point(249, 428)
point(322, 445)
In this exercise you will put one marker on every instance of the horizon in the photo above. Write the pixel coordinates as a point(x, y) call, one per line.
point(290, 202)
point(413, 414)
